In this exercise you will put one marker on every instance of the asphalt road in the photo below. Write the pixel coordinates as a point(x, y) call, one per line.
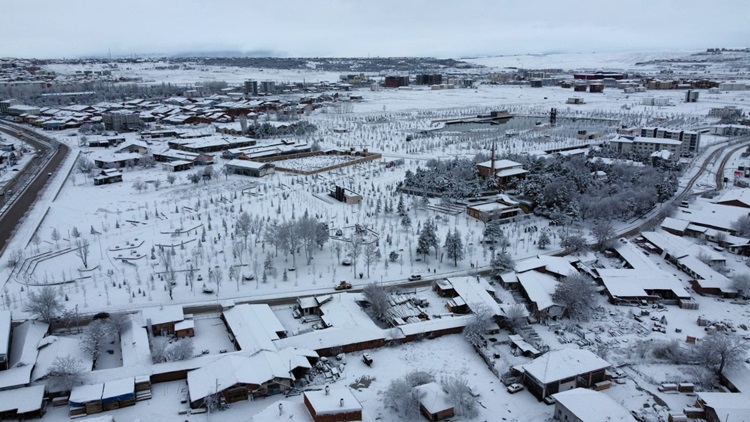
point(23, 202)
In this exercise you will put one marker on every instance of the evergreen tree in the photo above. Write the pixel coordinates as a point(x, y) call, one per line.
point(406, 221)
point(454, 247)
point(400, 210)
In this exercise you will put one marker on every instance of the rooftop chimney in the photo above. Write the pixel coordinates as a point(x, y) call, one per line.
point(327, 390)
point(341, 402)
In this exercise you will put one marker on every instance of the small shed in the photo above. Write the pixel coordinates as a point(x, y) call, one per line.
point(118, 393)
point(434, 403)
point(162, 319)
point(107, 176)
point(185, 328)
point(22, 403)
point(86, 399)
point(333, 405)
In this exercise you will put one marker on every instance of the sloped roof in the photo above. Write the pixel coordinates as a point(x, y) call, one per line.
point(593, 406)
point(231, 370)
point(254, 326)
point(564, 363)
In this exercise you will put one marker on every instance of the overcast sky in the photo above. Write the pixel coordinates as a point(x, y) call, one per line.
point(346, 28)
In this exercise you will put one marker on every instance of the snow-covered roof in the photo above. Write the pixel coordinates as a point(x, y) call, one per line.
point(254, 326)
point(134, 344)
point(674, 246)
point(490, 206)
point(22, 400)
point(554, 264)
point(635, 256)
point(184, 325)
point(332, 337)
point(510, 172)
point(86, 393)
point(499, 164)
point(344, 311)
point(231, 370)
point(593, 406)
point(15, 377)
point(564, 363)
point(433, 398)
point(247, 164)
point(476, 293)
point(629, 283)
point(714, 215)
point(739, 377)
point(708, 278)
point(4, 333)
point(729, 406)
point(53, 346)
point(118, 388)
point(739, 195)
point(331, 403)
point(431, 325)
point(26, 338)
point(284, 410)
point(539, 288)
point(161, 315)
point(674, 224)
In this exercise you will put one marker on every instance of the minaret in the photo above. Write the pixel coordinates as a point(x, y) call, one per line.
point(492, 160)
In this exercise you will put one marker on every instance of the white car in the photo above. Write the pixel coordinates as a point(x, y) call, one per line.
point(514, 388)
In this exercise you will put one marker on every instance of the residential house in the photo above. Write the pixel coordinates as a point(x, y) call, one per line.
point(250, 168)
point(504, 171)
point(584, 405)
point(107, 176)
point(722, 407)
point(236, 378)
point(562, 370)
point(161, 320)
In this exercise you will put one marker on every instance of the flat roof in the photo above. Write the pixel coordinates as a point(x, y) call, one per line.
point(331, 403)
point(23, 400)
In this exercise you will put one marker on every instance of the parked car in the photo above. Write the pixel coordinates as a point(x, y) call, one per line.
point(249, 277)
point(415, 277)
point(344, 285)
point(346, 262)
point(367, 359)
point(514, 388)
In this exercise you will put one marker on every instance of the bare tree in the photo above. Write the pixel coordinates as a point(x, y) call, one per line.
point(181, 350)
point(234, 274)
point(720, 351)
point(573, 244)
point(65, 373)
point(95, 336)
point(516, 317)
point(377, 295)
point(139, 185)
point(603, 232)
point(577, 295)
point(243, 226)
point(741, 226)
point(55, 235)
point(457, 388)
point(82, 251)
point(401, 395)
point(45, 304)
point(119, 322)
point(477, 328)
point(355, 250)
point(171, 179)
point(371, 254)
point(741, 282)
point(14, 258)
point(215, 276)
